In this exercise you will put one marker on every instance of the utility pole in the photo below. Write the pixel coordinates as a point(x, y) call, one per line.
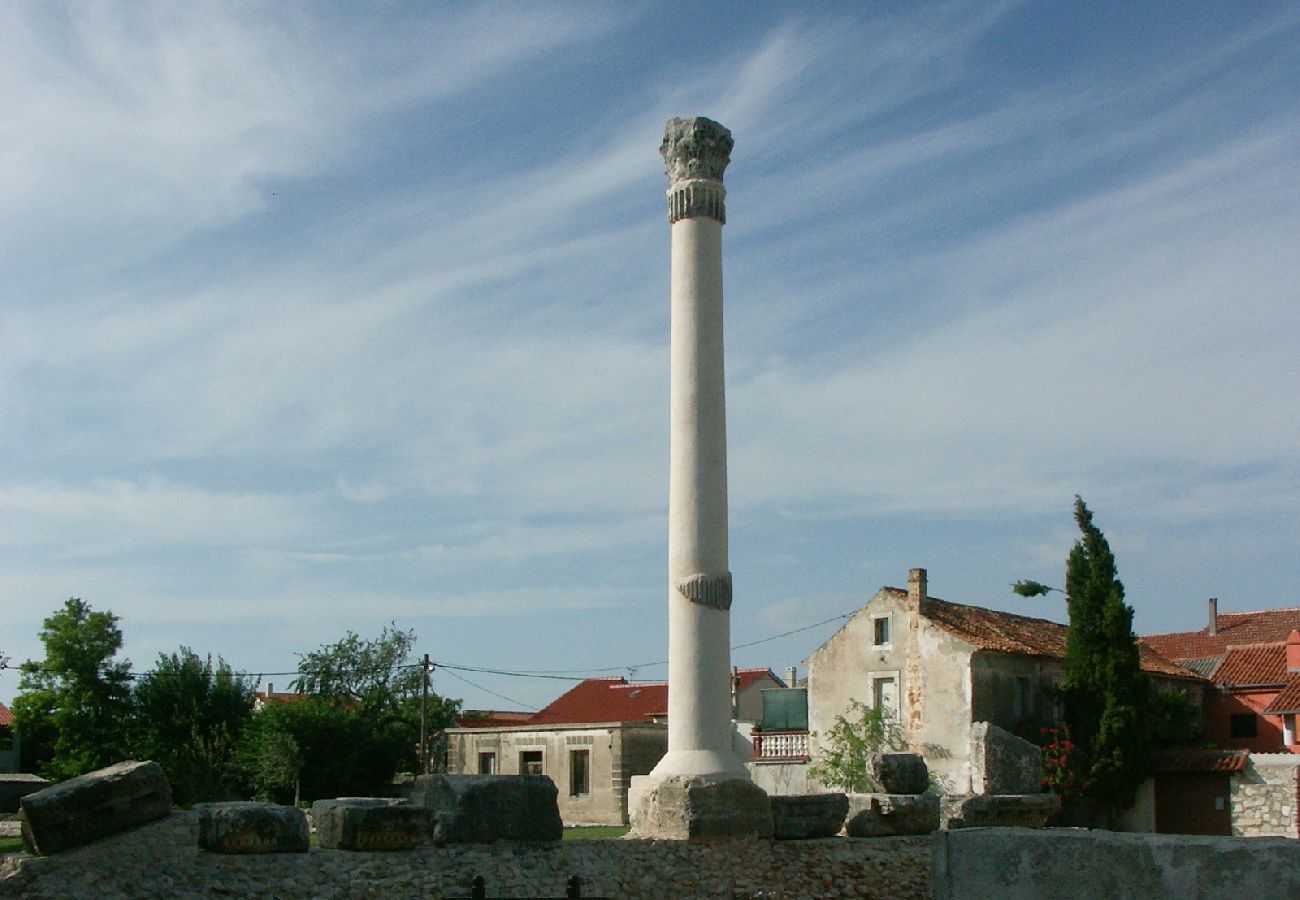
point(424, 718)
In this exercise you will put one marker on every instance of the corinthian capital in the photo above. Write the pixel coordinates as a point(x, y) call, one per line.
point(695, 152)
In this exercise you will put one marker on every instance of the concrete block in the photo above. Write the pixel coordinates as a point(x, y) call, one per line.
point(1002, 763)
point(692, 807)
point(899, 773)
point(486, 808)
point(93, 806)
point(798, 817)
point(244, 828)
point(882, 815)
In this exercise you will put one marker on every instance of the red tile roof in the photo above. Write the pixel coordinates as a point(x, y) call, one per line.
point(1252, 664)
point(492, 718)
point(1288, 699)
point(1004, 632)
point(1198, 760)
point(6, 717)
point(1261, 627)
point(280, 697)
point(615, 700)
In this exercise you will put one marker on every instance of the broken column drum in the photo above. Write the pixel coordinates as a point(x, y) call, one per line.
point(696, 151)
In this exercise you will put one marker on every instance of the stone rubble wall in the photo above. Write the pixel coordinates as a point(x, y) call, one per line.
point(1264, 796)
point(162, 860)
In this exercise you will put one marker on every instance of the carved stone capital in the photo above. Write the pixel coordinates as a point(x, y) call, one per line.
point(713, 591)
point(696, 152)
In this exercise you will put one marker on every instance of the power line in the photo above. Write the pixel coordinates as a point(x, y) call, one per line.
point(488, 690)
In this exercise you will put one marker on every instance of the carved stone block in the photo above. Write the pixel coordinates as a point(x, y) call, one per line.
point(882, 815)
point(372, 823)
point(688, 807)
point(487, 808)
point(94, 806)
point(1002, 763)
point(999, 810)
point(802, 816)
point(244, 828)
point(899, 773)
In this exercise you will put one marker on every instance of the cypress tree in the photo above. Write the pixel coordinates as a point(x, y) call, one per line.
point(1103, 688)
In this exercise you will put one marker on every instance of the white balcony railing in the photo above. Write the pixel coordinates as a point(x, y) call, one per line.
point(781, 745)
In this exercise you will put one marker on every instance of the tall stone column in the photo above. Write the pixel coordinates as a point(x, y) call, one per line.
point(696, 151)
point(700, 789)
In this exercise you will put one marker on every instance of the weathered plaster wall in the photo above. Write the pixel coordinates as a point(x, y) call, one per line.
point(1264, 796)
point(1013, 692)
point(162, 861)
point(781, 778)
point(1077, 864)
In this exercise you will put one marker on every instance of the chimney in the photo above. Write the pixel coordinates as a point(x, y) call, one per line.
point(1213, 627)
point(1293, 652)
point(270, 690)
point(791, 676)
point(916, 590)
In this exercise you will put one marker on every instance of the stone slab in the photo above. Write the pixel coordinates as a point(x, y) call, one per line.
point(806, 816)
point(372, 823)
point(16, 785)
point(93, 806)
point(883, 815)
point(999, 810)
point(1002, 763)
point(899, 773)
point(690, 807)
point(474, 809)
point(247, 828)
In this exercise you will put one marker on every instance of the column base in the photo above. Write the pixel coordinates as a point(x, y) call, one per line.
point(698, 808)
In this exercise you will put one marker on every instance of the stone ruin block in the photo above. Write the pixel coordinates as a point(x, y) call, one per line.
point(999, 810)
point(372, 823)
point(243, 827)
point(884, 815)
point(93, 806)
point(16, 785)
point(1002, 763)
point(899, 773)
point(486, 808)
point(802, 816)
point(686, 807)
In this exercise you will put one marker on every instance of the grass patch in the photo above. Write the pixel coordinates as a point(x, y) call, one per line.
point(594, 832)
point(11, 844)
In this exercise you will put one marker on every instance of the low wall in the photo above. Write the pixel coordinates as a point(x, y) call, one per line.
point(162, 860)
point(1025, 864)
point(1265, 795)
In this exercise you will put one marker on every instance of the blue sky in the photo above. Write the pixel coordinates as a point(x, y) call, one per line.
point(319, 317)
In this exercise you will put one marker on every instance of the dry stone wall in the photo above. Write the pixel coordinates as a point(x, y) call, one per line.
point(1264, 796)
point(162, 860)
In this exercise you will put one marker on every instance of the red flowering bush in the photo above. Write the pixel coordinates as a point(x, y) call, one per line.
point(1062, 763)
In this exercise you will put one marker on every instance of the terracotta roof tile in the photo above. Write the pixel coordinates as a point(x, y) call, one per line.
point(1288, 699)
point(1005, 632)
point(492, 718)
point(1198, 760)
point(615, 700)
point(6, 717)
point(1253, 664)
point(1260, 627)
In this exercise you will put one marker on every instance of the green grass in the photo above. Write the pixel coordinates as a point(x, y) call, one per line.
point(594, 832)
point(11, 844)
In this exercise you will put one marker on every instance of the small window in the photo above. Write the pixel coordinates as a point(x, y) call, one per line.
point(530, 762)
point(579, 773)
point(882, 631)
point(1243, 725)
point(487, 763)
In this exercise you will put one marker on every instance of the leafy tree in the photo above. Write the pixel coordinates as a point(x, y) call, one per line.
point(72, 708)
point(377, 675)
point(1105, 693)
point(848, 746)
point(187, 716)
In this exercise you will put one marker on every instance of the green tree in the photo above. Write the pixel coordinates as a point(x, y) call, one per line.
point(187, 715)
point(848, 746)
point(377, 675)
point(1104, 692)
point(72, 708)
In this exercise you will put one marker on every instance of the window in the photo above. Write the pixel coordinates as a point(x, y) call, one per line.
point(487, 763)
point(530, 762)
point(1288, 730)
point(881, 637)
point(579, 772)
point(884, 694)
point(1243, 725)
